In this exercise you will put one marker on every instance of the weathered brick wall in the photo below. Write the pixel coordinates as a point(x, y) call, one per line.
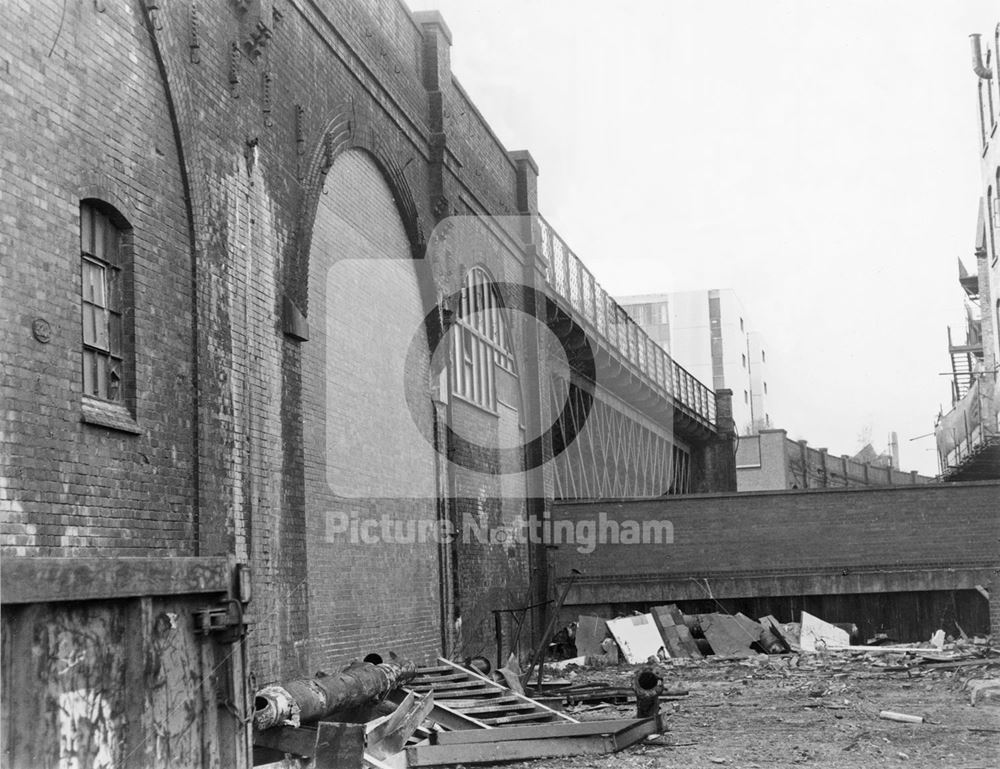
point(364, 455)
point(71, 132)
point(491, 567)
point(212, 127)
point(799, 532)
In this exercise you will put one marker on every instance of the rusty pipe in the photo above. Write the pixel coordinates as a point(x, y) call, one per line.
point(309, 699)
point(977, 59)
point(648, 686)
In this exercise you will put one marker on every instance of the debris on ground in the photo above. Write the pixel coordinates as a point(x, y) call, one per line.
point(707, 689)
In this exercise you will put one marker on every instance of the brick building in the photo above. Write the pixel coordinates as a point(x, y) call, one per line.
point(968, 436)
point(770, 460)
point(223, 285)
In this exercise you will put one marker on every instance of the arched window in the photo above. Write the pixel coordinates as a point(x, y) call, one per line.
point(479, 342)
point(103, 246)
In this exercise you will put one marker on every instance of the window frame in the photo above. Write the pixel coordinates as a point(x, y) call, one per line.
point(480, 343)
point(107, 349)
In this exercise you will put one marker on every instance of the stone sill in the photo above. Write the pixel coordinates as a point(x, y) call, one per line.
point(113, 416)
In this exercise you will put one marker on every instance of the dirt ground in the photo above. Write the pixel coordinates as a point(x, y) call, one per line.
point(814, 710)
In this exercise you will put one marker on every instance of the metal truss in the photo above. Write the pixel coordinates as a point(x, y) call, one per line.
point(614, 454)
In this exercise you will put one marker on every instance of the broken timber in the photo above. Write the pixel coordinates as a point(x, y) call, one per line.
point(515, 743)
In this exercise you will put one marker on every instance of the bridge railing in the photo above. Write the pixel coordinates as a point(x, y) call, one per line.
point(570, 279)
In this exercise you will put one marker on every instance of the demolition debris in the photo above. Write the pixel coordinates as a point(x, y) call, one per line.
point(634, 684)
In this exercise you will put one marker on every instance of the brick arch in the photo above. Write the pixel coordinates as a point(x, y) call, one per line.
point(347, 129)
point(363, 446)
point(111, 193)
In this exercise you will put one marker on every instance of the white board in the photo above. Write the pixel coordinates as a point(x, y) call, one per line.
point(817, 634)
point(637, 637)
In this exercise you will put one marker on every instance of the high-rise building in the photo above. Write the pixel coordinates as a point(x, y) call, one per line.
point(708, 333)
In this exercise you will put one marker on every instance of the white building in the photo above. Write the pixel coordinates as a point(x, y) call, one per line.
point(708, 333)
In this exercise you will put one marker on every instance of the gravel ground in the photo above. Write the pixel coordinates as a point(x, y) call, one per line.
point(815, 710)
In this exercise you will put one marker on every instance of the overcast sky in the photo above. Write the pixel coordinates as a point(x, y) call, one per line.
point(819, 158)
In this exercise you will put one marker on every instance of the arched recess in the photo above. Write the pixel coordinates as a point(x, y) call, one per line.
point(347, 129)
point(370, 477)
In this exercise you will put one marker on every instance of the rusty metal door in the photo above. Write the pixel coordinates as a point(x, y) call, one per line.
point(123, 662)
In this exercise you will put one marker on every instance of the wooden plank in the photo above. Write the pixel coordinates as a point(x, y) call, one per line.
point(503, 707)
point(29, 579)
point(139, 617)
point(472, 687)
point(443, 685)
point(638, 731)
point(454, 719)
point(538, 716)
point(515, 750)
point(541, 731)
point(435, 679)
point(397, 761)
point(931, 665)
point(339, 746)
point(461, 702)
point(210, 707)
point(481, 693)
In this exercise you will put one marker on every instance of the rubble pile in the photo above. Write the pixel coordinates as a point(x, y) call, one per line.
point(631, 678)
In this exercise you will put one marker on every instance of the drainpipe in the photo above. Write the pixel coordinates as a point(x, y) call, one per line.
point(977, 59)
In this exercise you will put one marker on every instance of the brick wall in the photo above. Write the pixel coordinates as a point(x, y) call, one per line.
point(215, 141)
point(69, 132)
point(934, 524)
point(491, 568)
point(364, 456)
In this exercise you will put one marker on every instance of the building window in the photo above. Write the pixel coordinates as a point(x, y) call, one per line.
point(765, 388)
point(763, 357)
point(746, 397)
point(102, 245)
point(989, 219)
point(989, 93)
point(479, 342)
point(744, 357)
point(996, 210)
point(741, 324)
